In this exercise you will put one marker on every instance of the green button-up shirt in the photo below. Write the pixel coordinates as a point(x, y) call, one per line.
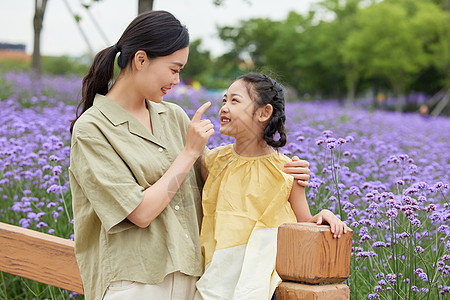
point(113, 159)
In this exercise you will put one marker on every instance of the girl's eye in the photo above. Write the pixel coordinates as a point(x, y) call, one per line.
point(224, 101)
point(234, 100)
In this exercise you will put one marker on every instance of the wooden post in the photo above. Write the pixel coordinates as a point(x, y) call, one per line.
point(293, 291)
point(308, 255)
point(38, 256)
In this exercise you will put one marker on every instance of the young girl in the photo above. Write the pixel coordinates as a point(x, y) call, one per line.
point(247, 196)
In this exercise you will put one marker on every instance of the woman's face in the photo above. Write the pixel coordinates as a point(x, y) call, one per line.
point(161, 73)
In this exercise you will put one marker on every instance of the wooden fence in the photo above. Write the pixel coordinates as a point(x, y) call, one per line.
point(311, 263)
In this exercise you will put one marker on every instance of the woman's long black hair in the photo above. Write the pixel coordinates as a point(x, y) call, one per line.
point(264, 90)
point(158, 33)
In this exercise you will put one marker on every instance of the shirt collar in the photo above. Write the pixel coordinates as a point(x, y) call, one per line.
point(117, 115)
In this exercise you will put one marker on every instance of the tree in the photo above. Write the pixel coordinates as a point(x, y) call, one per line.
point(39, 11)
point(302, 52)
point(199, 65)
point(335, 32)
point(433, 28)
point(145, 5)
point(387, 43)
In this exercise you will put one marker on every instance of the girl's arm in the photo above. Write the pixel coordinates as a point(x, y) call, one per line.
point(337, 227)
point(299, 205)
point(158, 196)
point(301, 210)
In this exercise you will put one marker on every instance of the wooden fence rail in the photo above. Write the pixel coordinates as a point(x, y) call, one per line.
point(311, 263)
point(38, 256)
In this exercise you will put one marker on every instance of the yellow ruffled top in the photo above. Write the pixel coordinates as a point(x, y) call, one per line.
point(242, 193)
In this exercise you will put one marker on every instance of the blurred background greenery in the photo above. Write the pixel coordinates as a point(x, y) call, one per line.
point(394, 52)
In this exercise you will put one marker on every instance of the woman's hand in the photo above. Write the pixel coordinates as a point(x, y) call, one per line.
point(337, 227)
point(299, 169)
point(199, 131)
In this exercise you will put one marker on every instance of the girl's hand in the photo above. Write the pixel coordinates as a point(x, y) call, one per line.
point(299, 169)
point(337, 227)
point(199, 131)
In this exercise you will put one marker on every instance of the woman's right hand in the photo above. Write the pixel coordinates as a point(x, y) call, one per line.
point(199, 131)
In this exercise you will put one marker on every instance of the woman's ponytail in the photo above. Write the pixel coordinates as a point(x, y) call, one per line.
point(97, 80)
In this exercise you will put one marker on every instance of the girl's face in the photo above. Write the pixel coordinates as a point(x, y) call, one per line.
point(159, 74)
point(238, 117)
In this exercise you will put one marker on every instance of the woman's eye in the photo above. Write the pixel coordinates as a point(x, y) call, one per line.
point(234, 100)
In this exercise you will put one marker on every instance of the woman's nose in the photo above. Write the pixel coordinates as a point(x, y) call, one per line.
point(176, 79)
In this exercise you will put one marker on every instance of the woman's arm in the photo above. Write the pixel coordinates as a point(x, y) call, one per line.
point(203, 169)
point(299, 169)
point(158, 196)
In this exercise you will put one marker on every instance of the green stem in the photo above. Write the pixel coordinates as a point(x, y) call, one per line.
point(394, 250)
point(411, 258)
point(4, 286)
point(29, 288)
point(64, 202)
point(335, 175)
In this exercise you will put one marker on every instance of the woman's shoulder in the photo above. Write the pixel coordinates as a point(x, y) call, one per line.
point(91, 124)
point(87, 121)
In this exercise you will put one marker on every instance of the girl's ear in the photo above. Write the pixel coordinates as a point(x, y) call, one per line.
point(265, 113)
point(139, 59)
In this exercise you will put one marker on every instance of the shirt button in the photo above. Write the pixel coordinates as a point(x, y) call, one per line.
point(160, 149)
point(177, 207)
point(186, 235)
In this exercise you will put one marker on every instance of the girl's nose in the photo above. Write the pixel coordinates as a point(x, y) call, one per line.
point(224, 108)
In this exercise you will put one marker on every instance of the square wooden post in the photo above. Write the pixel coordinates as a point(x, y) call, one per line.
point(307, 256)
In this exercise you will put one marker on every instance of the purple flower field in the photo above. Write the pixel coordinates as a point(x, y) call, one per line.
point(386, 174)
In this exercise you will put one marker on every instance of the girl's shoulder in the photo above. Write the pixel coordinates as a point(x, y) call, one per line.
point(218, 155)
point(219, 151)
point(281, 157)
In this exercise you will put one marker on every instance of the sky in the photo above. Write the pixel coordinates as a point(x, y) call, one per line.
point(61, 36)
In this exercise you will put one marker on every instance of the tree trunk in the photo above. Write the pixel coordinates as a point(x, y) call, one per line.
point(399, 95)
point(351, 79)
point(145, 5)
point(39, 10)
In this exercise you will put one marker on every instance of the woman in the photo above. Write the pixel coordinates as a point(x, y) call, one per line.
point(134, 172)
